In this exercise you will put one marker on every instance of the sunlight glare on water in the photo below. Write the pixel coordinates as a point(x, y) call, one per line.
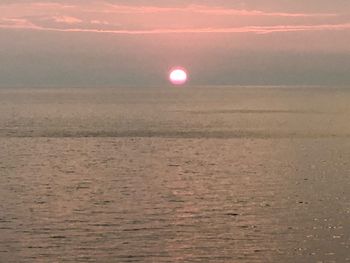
point(218, 174)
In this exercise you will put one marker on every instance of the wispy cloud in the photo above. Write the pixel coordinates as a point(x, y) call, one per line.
point(202, 9)
point(66, 19)
point(42, 5)
point(99, 22)
point(19, 24)
point(105, 7)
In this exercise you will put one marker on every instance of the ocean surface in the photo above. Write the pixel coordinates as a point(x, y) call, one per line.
point(175, 174)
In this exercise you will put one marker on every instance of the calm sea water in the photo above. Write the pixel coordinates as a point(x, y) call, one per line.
point(194, 174)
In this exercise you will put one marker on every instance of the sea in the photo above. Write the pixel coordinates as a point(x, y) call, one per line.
point(175, 174)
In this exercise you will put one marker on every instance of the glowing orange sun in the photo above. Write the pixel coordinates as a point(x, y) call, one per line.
point(178, 76)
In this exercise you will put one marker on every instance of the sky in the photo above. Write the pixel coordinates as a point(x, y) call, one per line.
point(136, 42)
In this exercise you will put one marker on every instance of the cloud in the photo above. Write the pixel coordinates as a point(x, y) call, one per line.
point(66, 20)
point(248, 29)
point(42, 5)
point(99, 22)
point(19, 23)
point(202, 9)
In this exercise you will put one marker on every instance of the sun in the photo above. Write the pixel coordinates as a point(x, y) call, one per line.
point(178, 76)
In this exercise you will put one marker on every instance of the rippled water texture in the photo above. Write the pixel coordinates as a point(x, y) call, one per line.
point(216, 174)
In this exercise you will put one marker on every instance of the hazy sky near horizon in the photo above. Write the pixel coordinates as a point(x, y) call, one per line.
point(119, 42)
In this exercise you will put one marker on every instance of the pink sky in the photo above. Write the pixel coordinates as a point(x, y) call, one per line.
point(106, 17)
point(181, 32)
